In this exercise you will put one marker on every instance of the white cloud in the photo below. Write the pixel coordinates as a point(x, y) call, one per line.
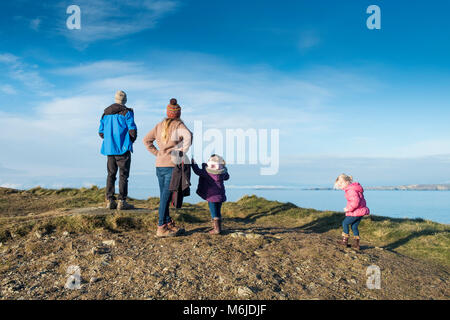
point(35, 24)
point(60, 133)
point(103, 19)
point(308, 40)
point(11, 185)
point(101, 69)
point(8, 89)
point(28, 75)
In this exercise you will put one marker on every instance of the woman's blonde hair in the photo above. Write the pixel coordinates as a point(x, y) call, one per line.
point(343, 177)
point(165, 128)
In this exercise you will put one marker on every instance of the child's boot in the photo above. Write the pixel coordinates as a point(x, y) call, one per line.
point(356, 243)
point(344, 241)
point(217, 226)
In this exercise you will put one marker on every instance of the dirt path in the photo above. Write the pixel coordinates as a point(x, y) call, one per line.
point(250, 261)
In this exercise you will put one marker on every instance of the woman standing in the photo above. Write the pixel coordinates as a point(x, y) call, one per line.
point(173, 139)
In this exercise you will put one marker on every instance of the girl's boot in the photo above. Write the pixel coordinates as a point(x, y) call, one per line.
point(217, 226)
point(356, 243)
point(344, 241)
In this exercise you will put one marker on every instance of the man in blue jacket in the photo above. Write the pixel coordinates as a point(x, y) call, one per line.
point(119, 132)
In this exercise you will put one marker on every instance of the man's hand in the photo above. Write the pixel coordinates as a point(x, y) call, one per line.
point(101, 135)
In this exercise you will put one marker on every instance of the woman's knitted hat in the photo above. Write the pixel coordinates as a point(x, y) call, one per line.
point(215, 165)
point(173, 109)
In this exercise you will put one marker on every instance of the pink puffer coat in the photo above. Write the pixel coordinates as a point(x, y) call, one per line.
point(356, 204)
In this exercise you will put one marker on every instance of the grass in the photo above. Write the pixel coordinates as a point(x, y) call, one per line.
point(416, 238)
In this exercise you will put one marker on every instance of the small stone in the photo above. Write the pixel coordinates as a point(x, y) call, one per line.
point(110, 243)
point(253, 236)
point(244, 291)
point(94, 280)
point(38, 235)
point(65, 233)
point(238, 234)
point(100, 250)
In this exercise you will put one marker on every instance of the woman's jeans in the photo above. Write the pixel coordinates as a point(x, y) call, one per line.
point(215, 208)
point(164, 175)
point(354, 222)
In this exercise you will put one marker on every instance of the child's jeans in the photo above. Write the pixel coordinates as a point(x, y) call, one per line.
point(354, 222)
point(215, 208)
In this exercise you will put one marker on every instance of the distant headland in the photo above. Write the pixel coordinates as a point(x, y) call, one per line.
point(411, 187)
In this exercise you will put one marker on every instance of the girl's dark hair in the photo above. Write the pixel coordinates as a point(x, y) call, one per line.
point(173, 101)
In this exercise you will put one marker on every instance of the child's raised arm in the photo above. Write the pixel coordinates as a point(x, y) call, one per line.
point(196, 169)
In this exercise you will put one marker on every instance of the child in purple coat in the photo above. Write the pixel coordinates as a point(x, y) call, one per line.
point(211, 187)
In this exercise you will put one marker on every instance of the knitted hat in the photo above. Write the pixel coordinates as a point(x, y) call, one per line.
point(121, 97)
point(173, 109)
point(215, 164)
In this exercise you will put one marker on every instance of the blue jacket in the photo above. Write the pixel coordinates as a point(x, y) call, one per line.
point(118, 130)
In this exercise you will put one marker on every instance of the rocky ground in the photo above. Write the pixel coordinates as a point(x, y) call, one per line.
point(252, 260)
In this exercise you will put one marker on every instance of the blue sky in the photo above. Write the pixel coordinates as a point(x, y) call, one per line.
point(373, 103)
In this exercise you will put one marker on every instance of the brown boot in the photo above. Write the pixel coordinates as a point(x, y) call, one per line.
point(124, 205)
point(172, 227)
point(163, 232)
point(344, 241)
point(217, 226)
point(355, 243)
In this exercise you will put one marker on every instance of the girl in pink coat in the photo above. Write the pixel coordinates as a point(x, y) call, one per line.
point(354, 211)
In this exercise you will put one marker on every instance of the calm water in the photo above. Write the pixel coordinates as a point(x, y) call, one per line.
point(431, 205)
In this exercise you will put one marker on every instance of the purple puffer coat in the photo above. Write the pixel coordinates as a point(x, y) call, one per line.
point(210, 186)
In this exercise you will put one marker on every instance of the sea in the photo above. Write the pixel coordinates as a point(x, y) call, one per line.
point(428, 205)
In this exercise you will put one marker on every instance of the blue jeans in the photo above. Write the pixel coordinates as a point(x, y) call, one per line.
point(215, 207)
point(354, 222)
point(164, 175)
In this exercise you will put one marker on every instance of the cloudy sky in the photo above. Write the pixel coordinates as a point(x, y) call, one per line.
point(373, 103)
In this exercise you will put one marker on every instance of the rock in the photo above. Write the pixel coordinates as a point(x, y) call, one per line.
point(238, 235)
point(110, 243)
point(244, 292)
point(254, 236)
point(94, 280)
point(65, 233)
point(38, 235)
point(100, 250)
